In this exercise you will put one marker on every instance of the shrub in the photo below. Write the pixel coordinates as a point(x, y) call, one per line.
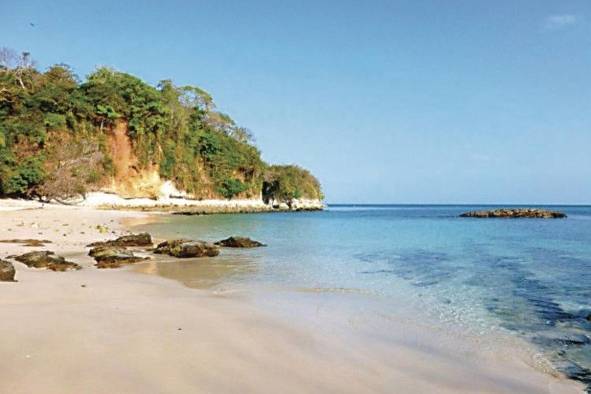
point(22, 179)
point(231, 187)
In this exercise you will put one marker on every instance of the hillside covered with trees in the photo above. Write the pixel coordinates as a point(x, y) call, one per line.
point(61, 137)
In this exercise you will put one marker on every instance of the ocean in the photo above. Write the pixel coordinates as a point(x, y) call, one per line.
point(524, 278)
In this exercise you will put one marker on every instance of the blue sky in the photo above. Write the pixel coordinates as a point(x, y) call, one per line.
point(385, 101)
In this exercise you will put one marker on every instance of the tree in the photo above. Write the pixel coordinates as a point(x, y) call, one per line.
point(17, 64)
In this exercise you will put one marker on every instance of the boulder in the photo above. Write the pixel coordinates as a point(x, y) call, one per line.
point(166, 246)
point(515, 213)
point(113, 256)
point(185, 248)
point(239, 242)
point(6, 271)
point(46, 259)
point(143, 239)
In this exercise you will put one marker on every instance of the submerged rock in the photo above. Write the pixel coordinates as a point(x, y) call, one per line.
point(515, 213)
point(6, 271)
point(113, 256)
point(143, 239)
point(185, 248)
point(46, 259)
point(570, 339)
point(239, 242)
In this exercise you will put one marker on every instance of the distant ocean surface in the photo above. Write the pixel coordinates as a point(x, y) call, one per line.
point(530, 278)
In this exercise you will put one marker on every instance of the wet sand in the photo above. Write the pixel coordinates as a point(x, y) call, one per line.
point(117, 331)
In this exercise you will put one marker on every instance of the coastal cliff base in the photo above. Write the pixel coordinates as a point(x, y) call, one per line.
point(186, 206)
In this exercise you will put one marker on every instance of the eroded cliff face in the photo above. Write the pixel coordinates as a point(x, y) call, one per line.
point(129, 179)
point(132, 180)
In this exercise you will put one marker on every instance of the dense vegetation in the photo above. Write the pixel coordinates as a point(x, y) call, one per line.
point(284, 183)
point(55, 135)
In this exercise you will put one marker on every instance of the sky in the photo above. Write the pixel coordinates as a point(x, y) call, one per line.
point(412, 101)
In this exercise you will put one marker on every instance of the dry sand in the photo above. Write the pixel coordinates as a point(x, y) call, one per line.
point(116, 331)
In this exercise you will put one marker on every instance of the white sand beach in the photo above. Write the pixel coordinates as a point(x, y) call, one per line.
point(117, 331)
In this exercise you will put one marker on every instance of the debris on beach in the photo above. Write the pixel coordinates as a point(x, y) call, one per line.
point(184, 248)
point(46, 259)
point(239, 242)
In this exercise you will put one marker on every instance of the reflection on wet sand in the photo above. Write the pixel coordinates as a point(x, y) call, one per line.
point(200, 273)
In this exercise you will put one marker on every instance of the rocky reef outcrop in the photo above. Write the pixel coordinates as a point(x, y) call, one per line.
point(48, 260)
point(6, 271)
point(239, 242)
point(515, 213)
point(184, 248)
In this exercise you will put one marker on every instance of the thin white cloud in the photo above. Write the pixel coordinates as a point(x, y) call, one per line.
point(560, 21)
point(480, 157)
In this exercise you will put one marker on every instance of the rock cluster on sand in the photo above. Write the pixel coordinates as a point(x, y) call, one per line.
point(6, 271)
point(239, 242)
point(184, 248)
point(46, 259)
point(143, 239)
point(515, 213)
point(113, 256)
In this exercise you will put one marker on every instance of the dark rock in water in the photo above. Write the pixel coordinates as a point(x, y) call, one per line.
point(515, 213)
point(6, 271)
point(143, 239)
point(589, 318)
point(46, 259)
point(565, 339)
point(185, 248)
point(239, 242)
point(27, 242)
point(576, 372)
point(113, 256)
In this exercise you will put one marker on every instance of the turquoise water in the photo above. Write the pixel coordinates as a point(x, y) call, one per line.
point(527, 277)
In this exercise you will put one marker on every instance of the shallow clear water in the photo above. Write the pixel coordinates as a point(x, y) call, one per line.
point(528, 277)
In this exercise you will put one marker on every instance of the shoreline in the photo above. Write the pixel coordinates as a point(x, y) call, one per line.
point(121, 331)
